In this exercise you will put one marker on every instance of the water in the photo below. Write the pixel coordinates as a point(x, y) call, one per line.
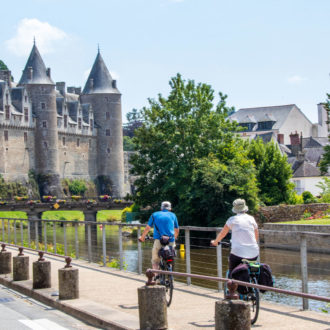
point(285, 264)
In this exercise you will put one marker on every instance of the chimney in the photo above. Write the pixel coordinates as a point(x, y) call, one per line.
point(295, 143)
point(70, 90)
point(91, 83)
point(48, 72)
point(60, 86)
point(30, 73)
point(280, 138)
point(114, 83)
point(77, 90)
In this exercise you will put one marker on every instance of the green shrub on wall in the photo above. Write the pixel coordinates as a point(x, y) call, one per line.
point(308, 197)
point(77, 187)
point(10, 189)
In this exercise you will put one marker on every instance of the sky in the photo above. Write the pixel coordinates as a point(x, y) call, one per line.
point(258, 52)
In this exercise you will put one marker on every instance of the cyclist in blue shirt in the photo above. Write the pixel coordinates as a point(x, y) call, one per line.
point(165, 223)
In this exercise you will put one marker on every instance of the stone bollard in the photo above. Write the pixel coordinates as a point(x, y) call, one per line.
point(20, 266)
point(68, 281)
point(152, 306)
point(5, 260)
point(231, 313)
point(41, 273)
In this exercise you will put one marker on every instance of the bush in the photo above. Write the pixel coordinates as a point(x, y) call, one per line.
point(296, 199)
point(308, 198)
point(132, 208)
point(77, 187)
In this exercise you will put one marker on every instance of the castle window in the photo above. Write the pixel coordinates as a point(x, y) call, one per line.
point(43, 105)
point(63, 140)
point(45, 144)
point(7, 98)
point(5, 133)
point(107, 115)
point(44, 124)
point(25, 136)
point(78, 142)
point(91, 124)
point(7, 111)
point(79, 123)
point(26, 114)
point(65, 121)
point(265, 125)
point(108, 150)
point(107, 132)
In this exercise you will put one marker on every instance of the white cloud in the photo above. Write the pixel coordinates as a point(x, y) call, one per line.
point(45, 34)
point(296, 79)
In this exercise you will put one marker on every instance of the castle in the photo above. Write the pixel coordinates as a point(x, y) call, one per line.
point(61, 132)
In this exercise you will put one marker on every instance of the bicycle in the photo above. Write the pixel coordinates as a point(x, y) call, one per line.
point(166, 263)
point(252, 295)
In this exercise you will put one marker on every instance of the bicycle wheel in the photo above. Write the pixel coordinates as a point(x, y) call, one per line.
point(253, 299)
point(169, 286)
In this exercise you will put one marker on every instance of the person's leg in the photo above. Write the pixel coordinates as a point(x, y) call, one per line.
point(155, 258)
point(233, 262)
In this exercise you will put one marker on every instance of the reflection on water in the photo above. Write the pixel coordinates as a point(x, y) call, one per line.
point(285, 265)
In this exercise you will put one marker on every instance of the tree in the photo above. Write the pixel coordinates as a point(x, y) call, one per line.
point(134, 121)
point(129, 145)
point(3, 66)
point(273, 172)
point(325, 162)
point(189, 154)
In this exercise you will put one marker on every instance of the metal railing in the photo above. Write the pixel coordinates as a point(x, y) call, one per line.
point(106, 243)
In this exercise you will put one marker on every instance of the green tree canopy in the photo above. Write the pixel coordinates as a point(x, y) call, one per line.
point(3, 66)
point(273, 172)
point(325, 162)
point(189, 154)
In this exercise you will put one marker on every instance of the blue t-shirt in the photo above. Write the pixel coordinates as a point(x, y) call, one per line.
point(165, 221)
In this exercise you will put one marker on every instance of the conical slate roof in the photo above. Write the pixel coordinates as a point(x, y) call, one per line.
point(39, 74)
point(99, 80)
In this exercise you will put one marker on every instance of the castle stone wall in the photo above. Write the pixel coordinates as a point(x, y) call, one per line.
point(17, 156)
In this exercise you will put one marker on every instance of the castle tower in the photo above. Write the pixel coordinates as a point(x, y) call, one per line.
point(41, 90)
point(102, 93)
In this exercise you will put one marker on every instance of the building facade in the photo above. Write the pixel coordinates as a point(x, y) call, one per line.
point(61, 132)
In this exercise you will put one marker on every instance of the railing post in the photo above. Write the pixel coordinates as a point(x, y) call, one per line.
point(89, 242)
point(3, 230)
point(219, 263)
point(304, 268)
point(104, 245)
point(15, 238)
point(188, 262)
point(8, 230)
point(36, 229)
point(121, 261)
point(45, 235)
point(54, 236)
point(139, 252)
point(22, 233)
point(65, 239)
point(29, 233)
point(76, 240)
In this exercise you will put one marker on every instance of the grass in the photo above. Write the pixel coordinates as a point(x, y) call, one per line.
point(321, 221)
point(105, 215)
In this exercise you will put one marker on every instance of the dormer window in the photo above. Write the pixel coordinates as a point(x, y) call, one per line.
point(91, 124)
point(79, 123)
point(65, 121)
point(7, 112)
point(44, 124)
point(247, 126)
point(26, 114)
point(25, 98)
point(265, 125)
point(43, 105)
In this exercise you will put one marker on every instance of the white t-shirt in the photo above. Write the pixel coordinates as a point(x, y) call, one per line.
point(243, 240)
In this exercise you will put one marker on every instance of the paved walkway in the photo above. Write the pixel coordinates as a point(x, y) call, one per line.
point(108, 297)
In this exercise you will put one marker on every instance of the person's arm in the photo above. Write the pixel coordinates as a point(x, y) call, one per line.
point(144, 234)
point(176, 232)
point(256, 233)
point(220, 236)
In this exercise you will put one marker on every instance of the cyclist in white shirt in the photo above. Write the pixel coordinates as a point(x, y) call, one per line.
point(245, 235)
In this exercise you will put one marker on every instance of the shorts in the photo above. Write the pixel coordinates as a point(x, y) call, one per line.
point(156, 247)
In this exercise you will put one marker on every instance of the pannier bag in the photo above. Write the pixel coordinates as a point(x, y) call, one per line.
point(167, 252)
point(265, 276)
point(241, 273)
point(164, 240)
